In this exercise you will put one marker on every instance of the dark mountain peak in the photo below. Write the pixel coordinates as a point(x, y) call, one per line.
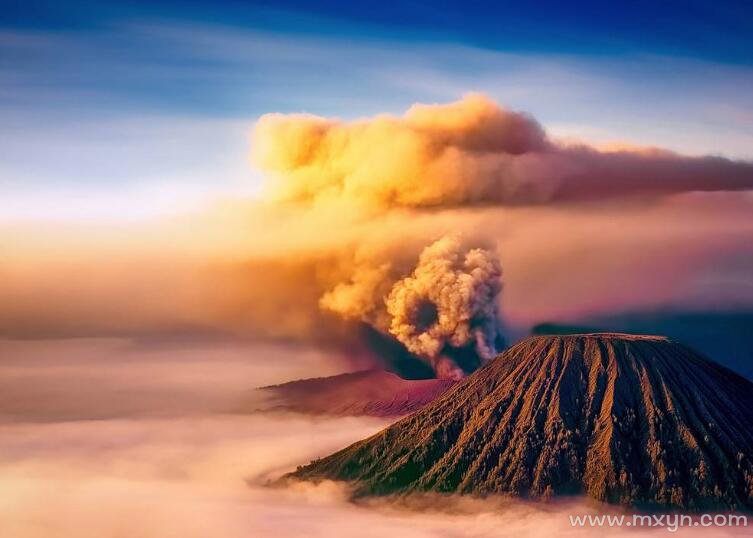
point(369, 392)
point(627, 419)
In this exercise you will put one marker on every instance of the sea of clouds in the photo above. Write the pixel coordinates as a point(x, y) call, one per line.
point(122, 439)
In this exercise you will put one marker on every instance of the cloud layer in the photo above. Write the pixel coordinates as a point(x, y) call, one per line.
point(198, 474)
point(332, 258)
point(470, 152)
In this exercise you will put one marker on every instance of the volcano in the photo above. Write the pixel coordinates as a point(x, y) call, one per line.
point(626, 419)
point(367, 393)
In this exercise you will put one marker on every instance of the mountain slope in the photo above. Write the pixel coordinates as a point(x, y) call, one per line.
point(370, 392)
point(626, 419)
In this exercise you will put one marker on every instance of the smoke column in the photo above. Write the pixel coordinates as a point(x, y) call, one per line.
point(444, 311)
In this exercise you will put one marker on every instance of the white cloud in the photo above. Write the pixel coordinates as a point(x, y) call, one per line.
point(202, 475)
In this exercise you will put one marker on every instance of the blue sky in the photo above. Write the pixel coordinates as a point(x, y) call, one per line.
point(130, 110)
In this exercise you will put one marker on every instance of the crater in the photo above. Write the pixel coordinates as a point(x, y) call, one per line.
point(425, 316)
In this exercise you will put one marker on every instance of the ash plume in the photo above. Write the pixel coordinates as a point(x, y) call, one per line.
point(468, 153)
point(330, 258)
point(444, 310)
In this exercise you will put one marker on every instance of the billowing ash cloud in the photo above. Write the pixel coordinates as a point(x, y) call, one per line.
point(444, 311)
point(337, 264)
point(471, 152)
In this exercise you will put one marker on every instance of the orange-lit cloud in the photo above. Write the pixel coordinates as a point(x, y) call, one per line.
point(470, 152)
point(351, 208)
point(447, 302)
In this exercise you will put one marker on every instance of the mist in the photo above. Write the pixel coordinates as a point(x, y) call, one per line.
point(178, 466)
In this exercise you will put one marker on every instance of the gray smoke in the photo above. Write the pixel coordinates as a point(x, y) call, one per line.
point(444, 308)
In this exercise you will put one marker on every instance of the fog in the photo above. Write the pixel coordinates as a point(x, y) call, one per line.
point(109, 438)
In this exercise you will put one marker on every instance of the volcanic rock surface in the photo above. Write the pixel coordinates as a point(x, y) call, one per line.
point(370, 392)
point(636, 420)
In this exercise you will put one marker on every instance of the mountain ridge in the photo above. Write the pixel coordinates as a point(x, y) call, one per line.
point(365, 393)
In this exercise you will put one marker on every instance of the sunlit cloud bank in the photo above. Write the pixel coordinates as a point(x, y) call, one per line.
point(416, 237)
point(196, 473)
point(471, 152)
point(78, 379)
point(155, 477)
point(205, 476)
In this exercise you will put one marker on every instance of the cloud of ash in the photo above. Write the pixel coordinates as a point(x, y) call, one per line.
point(470, 152)
point(447, 303)
point(382, 240)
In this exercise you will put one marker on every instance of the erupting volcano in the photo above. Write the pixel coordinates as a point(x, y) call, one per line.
point(635, 420)
point(444, 311)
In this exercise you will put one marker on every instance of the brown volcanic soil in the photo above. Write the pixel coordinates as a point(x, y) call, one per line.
point(371, 392)
point(635, 420)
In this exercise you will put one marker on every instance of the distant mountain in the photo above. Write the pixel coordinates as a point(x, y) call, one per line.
point(726, 337)
point(636, 420)
point(372, 392)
